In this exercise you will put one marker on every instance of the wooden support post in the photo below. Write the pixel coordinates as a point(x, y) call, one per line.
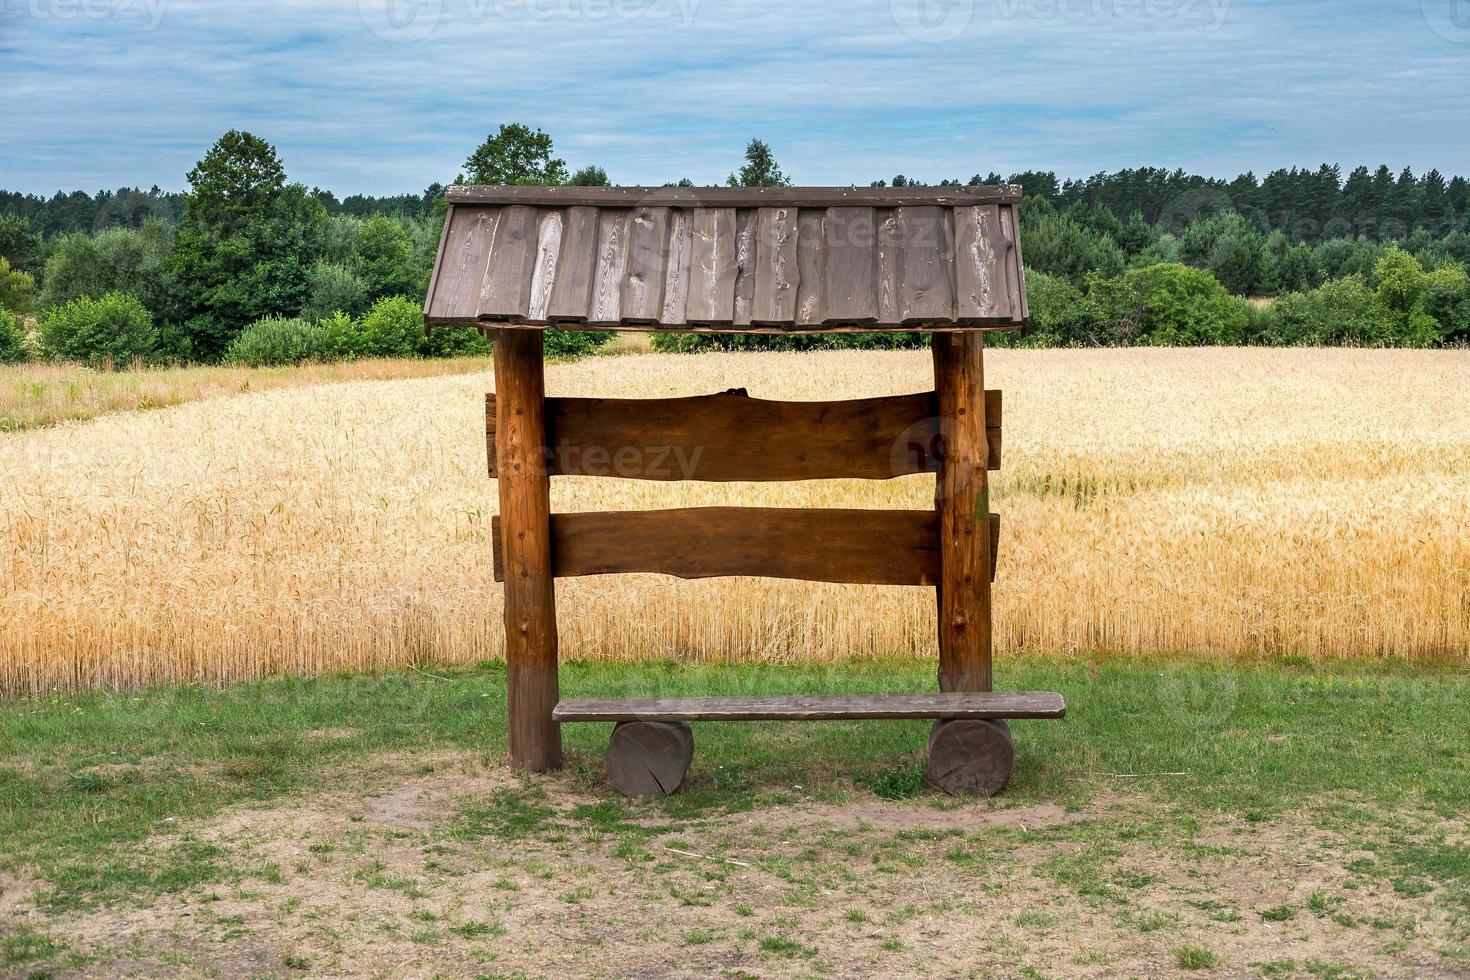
point(525, 519)
point(963, 502)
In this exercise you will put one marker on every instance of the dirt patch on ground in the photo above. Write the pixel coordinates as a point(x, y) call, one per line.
point(449, 866)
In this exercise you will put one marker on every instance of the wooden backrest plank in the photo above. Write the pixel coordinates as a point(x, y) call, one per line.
point(869, 547)
point(571, 290)
point(796, 707)
point(507, 290)
point(856, 547)
point(734, 438)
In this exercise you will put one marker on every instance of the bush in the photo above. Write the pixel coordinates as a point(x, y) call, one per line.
point(1169, 304)
point(1448, 300)
point(17, 289)
point(458, 342)
point(332, 288)
point(1341, 311)
point(1059, 245)
point(273, 341)
point(394, 327)
point(115, 328)
point(1061, 316)
point(117, 260)
point(1228, 247)
point(12, 338)
point(341, 338)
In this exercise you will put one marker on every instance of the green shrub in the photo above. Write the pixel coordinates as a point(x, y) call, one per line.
point(17, 289)
point(1340, 311)
point(1061, 316)
point(394, 327)
point(12, 338)
point(1169, 304)
point(1448, 300)
point(1059, 245)
point(272, 341)
point(332, 288)
point(113, 329)
point(341, 337)
point(459, 342)
point(574, 343)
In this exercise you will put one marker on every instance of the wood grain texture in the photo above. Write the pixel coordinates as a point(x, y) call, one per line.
point(648, 759)
point(776, 266)
point(849, 294)
point(745, 266)
point(507, 292)
point(811, 265)
point(712, 266)
point(829, 707)
point(734, 438)
point(676, 268)
point(867, 547)
point(459, 274)
point(571, 290)
point(771, 269)
point(543, 272)
point(971, 757)
point(648, 251)
point(612, 263)
point(522, 536)
point(734, 197)
point(961, 498)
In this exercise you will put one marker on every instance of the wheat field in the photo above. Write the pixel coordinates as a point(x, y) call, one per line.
point(1221, 502)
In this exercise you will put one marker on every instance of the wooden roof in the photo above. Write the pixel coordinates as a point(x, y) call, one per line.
point(739, 260)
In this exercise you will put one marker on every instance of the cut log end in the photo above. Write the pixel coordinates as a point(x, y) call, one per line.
point(649, 758)
point(971, 757)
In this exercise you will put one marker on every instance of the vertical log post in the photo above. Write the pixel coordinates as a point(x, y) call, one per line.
point(963, 501)
point(525, 516)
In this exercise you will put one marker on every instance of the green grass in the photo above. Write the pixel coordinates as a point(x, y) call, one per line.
point(1349, 741)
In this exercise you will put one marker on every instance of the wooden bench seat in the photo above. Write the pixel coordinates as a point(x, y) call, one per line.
point(817, 707)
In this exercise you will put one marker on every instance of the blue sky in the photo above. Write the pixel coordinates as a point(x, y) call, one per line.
point(385, 96)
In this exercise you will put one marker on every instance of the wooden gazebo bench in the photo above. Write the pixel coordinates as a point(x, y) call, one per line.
point(517, 261)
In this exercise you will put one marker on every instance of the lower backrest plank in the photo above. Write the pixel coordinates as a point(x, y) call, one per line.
point(859, 547)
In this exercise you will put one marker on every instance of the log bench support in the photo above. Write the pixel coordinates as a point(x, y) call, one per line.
point(953, 432)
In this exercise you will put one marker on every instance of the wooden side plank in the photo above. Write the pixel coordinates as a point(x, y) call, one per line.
point(925, 265)
point(745, 269)
point(982, 265)
point(889, 245)
point(865, 547)
point(612, 262)
point(676, 269)
point(571, 291)
point(543, 272)
point(648, 250)
point(712, 266)
point(459, 276)
point(825, 707)
point(811, 265)
point(776, 269)
point(849, 294)
point(734, 438)
point(1015, 278)
point(507, 292)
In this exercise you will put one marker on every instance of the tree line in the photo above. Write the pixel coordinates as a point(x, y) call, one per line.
point(247, 265)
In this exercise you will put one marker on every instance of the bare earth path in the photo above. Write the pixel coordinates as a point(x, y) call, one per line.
point(447, 866)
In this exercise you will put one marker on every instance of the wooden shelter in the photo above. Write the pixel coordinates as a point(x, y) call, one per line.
point(517, 261)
